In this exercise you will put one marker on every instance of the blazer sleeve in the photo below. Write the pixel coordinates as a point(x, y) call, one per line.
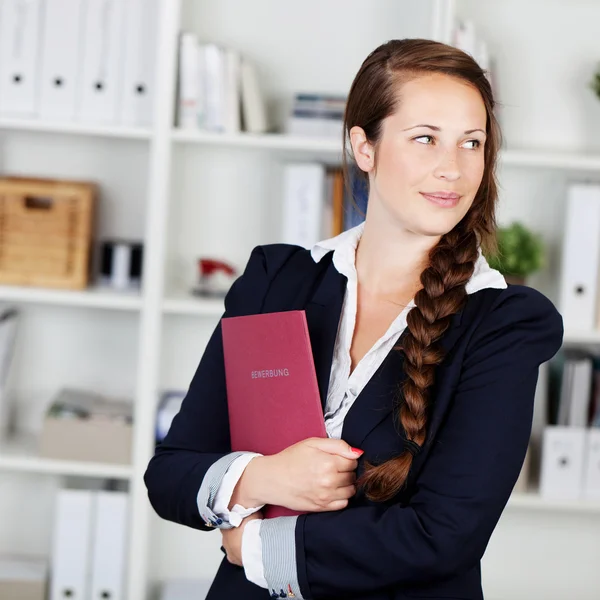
point(467, 479)
point(199, 434)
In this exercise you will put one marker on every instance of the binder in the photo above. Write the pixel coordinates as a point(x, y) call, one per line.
point(189, 82)
point(303, 203)
point(71, 545)
point(139, 62)
point(563, 451)
point(254, 110)
point(109, 552)
point(272, 391)
point(215, 79)
point(100, 82)
point(581, 257)
point(233, 117)
point(20, 26)
point(591, 481)
point(61, 49)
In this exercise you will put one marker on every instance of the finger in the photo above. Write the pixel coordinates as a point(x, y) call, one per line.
point(345, 493)
point(334, 446)
point(344, 465)
point(336, 505)
point(345, 480)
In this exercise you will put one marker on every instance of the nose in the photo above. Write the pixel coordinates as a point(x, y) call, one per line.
point(447, 168)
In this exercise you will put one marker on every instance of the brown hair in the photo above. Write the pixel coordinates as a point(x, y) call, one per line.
point(373, 96)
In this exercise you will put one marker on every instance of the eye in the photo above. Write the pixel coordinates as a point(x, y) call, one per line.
point(476, 142)
point(428, 138)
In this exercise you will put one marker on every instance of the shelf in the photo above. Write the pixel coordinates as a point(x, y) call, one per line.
point(72, 128)
point(533, 501)
point(20, 454)
point(273, 141)
point(180, 303)
point(93, 297)
point(572, 337)
point(577, 161)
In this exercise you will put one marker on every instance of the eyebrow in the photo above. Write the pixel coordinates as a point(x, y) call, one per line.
point(435, 128)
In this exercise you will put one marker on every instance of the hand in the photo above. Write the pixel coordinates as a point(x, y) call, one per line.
point(314, 475)
point(232, 540)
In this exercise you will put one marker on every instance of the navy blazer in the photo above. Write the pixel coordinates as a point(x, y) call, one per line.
point(428, 541)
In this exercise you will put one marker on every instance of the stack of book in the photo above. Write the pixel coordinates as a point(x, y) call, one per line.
point(218, 89)
point(318, 205)
point(576, 393)
point(319, 115)
point(571, 442)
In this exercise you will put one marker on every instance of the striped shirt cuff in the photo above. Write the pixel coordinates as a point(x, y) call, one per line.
point(278, 538)
point(209, 488)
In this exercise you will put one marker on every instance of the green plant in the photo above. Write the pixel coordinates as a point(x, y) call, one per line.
point(595, 83)
point(520, 251)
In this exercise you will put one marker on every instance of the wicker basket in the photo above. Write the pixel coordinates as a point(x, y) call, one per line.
point(46, 232)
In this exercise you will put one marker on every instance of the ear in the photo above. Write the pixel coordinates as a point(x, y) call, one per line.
point(363, 151)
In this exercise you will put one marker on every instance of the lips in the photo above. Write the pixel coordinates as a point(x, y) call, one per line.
point(445, 199)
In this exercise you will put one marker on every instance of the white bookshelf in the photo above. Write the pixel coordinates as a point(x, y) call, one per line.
point(20, 454)
point(185, 304)
point(533, 501)
point(189, 193)
point(36, 125)
point(93, 297)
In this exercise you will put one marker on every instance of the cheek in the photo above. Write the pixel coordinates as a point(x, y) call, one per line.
point(407, 169)
point(473, 172)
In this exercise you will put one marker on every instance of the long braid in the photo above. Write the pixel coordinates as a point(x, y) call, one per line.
point(450, 266)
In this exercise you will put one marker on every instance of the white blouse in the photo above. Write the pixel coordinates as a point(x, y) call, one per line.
point(343, 386)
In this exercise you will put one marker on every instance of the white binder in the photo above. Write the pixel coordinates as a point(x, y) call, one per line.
point(109, 554)
point(71, 545)
point(19, 65)
point(139, 62)
point(100, 82)
point(216, 87)
point(61, 51)
point(591, 479)
point(581, 257)
point(303, 203)
point(562, 462)
point(233, 108)
point(189, 81)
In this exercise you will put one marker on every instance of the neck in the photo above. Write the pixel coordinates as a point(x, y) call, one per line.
point(389, 258)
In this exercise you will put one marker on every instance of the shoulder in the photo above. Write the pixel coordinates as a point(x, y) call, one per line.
point(515, 315)
point(515, 302)
point(264, 264)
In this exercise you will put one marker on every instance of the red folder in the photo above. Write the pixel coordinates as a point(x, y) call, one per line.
point(272, 392)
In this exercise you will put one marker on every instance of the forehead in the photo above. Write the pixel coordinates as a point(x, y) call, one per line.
point(440, 100)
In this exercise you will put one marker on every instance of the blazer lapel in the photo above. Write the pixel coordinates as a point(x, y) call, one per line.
point(377, 399)
point(323, 313)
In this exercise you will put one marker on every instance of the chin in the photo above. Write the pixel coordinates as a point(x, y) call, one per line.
point(436, 227)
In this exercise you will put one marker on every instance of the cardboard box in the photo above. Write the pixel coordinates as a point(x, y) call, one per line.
point(23, 578)
point(95, 440)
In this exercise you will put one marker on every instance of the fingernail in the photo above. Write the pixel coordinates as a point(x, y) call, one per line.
point(357, 450)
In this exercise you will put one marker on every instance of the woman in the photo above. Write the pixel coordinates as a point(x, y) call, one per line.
point(427, 365)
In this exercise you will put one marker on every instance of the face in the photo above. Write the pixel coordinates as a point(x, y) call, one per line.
point(429, 163)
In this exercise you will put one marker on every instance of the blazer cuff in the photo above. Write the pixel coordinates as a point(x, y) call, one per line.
point(278, 538)
point(209, 488)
